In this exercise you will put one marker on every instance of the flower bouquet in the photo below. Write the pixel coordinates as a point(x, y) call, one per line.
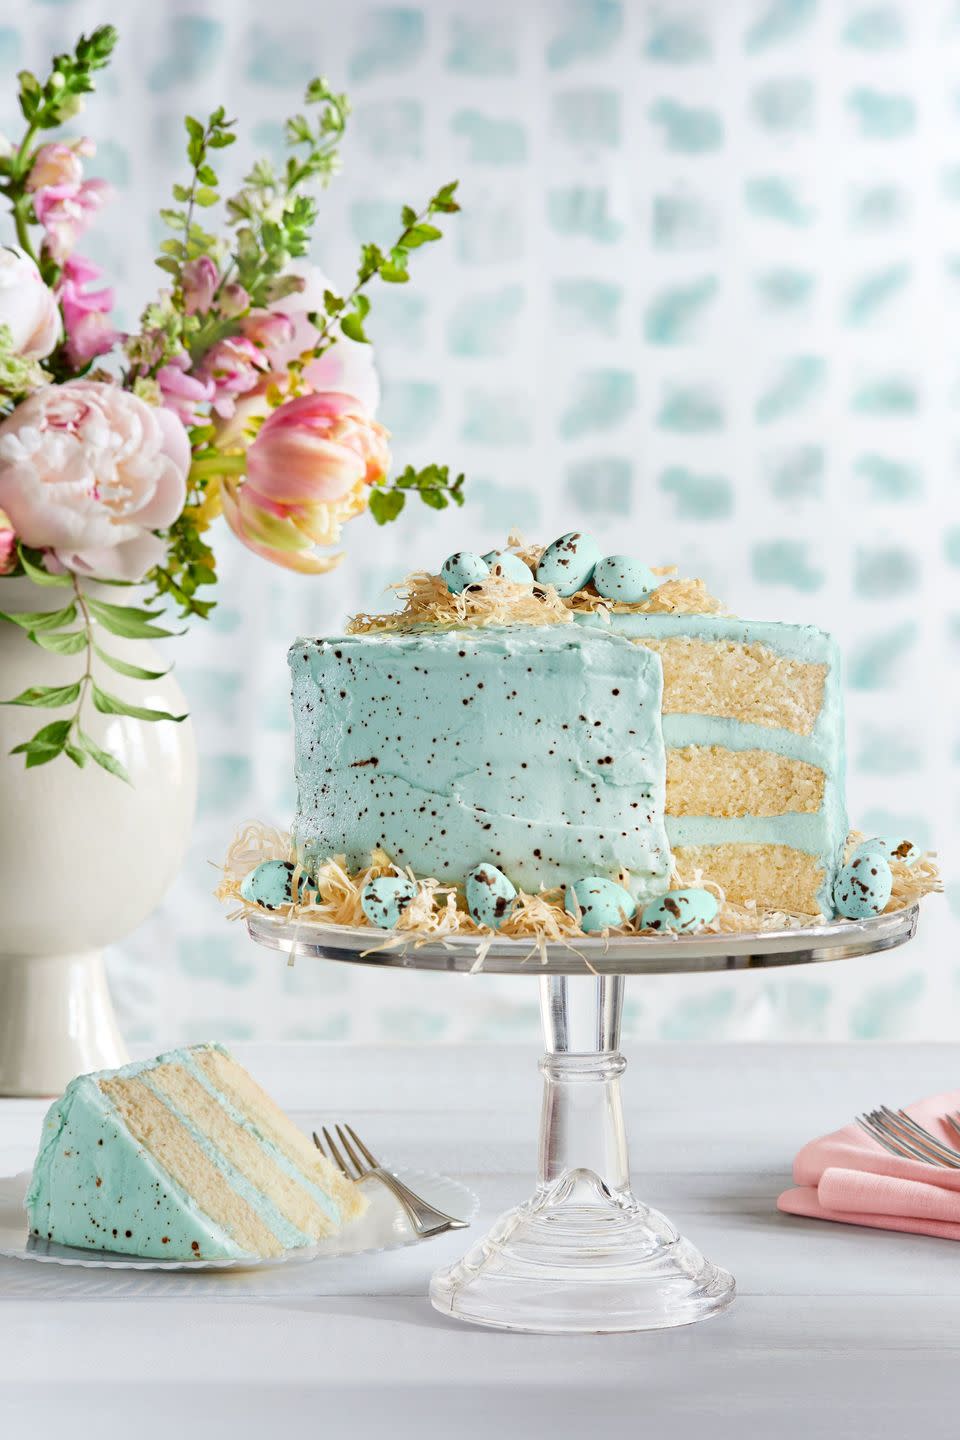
point(248, 390)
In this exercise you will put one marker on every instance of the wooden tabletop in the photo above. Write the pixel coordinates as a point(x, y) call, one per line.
point(837, 1331)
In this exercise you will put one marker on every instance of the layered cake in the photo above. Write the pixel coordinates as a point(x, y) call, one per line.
point(540, 749)
point(556, 741)
point(183, 1157)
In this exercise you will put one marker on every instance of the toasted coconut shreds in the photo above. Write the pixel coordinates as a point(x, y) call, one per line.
point(495, 601)
point(333, 898)
point(427, 603)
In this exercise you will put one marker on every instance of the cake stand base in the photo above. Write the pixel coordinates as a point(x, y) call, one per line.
point(578, 1259)
point(583, 1254)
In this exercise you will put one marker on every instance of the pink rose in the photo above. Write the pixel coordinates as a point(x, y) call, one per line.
point(234, 366)
point(307, 471)
point(8, 545)
point(200, 279)
point(55, 164)
point(86, 313)
point(182, 393)
point(27, 308)
point(88, 471)
point(66, 212)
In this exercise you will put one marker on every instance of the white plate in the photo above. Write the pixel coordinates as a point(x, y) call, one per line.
point(383, 1226)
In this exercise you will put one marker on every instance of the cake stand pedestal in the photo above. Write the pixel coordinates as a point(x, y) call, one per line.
point(583, 1254)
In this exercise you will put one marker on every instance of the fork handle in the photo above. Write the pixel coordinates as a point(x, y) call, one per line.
point(425, 1218)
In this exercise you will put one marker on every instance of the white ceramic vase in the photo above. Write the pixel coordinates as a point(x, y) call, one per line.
point(84, 857)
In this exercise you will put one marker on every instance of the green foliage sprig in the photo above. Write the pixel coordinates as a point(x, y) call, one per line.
point(432, 484)
point(50, 630)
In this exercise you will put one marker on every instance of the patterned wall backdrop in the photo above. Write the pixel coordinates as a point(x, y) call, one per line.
point(702, 299)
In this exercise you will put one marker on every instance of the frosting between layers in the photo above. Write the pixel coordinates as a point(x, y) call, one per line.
point(539, 750)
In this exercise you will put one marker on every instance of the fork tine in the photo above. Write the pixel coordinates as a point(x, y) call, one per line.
point(370, 1159)
point(881, 1139)
point(337, 1157)
point(933, 1149)
point(345, 1142)
point(951, 1120)
point(910, 1147)
point(316, 1141)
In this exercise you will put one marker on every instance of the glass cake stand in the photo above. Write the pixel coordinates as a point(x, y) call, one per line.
point(583, 1254)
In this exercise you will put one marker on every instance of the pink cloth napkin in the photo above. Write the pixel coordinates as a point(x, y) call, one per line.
point(848, 1177)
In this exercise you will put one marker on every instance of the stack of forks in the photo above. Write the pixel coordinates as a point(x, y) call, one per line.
point(900, 1135)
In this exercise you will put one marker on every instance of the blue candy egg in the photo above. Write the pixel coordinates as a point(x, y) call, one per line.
point(603, 904)
point(384, 900)
point(680, 910)
point(511, 565)
point(620, 577)
point(271, 884)
point(462, 569)
point(490, 895)
point(569, 562)
point(893, 847)
point(863, 886)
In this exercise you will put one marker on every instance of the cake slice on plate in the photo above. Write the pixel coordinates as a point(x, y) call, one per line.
point(183, 1157)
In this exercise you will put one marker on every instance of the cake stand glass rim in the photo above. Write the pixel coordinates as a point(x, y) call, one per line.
point(618, 955)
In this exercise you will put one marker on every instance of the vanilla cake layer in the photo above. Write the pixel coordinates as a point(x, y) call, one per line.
point(175, 1158)
point(539, 749)
point(753, 724)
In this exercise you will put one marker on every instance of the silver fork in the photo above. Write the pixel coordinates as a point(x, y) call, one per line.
point(900, 1135)
point(425, 1218)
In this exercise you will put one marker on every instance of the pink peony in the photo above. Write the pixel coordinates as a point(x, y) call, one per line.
point(307, 471)
point(86, 313)
point(200, 280)
point(234, 366)
point(66, 212)
point(27, 308)
point(55, 164)
point(182, 393)
point(88, 471)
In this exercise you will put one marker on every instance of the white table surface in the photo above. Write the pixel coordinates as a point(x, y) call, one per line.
point(836, 1332)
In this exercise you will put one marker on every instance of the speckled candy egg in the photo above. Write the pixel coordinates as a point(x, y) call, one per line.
point(490, 895)
point(569, 562)
point(891, 846)
point(385, 899)
point(863, 886)
point(603, 904)
point(271, 884)
point(682, 910)
point(620, 577)
point(463, 568)
point(512, 566)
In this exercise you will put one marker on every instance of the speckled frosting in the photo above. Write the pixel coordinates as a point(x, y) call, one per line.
point(102, 1181)
point(539, 750)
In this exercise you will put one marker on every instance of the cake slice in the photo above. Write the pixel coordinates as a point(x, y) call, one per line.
point(183, 1157)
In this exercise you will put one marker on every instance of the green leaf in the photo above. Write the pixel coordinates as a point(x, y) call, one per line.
point(41, 619)
point(113, 705)
point(393, 274)
point(206, 196)
point(38, 573)
point(165, 263)
point(127, 621)
point(221, 139)
point(41, 755)
point(352, 326)
point(434, 498)
point(103, 758)
point(49, 741)
point(122, 667)
point(385, 505)
point(49, 696)
point(79, 757)
point(181, 193)
point(408, 215)
point(60, 642)
point(417, 235)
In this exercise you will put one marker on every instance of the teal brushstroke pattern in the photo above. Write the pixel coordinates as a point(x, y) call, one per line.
point(889, 479)
point(793, 388)
point(875, 291)
point(490, 140)
point(880, 115)
point(600, 399)
point(486, 324)
point(778, 21)
point(786, 289)
point(683, 221)
point(481, 47)
point(774, 197)
point(191, 50)
point(883, 1012)
point(393, 40)
point(690, 410)
point(492, 417)
point(885, 573)
point(797, 473)
point(583, 210)
point(603, 484)
point(697, 497)
point(678, 40)
point(585, 30)
point(784, 106)
point(390, 129)
point(886, 395)
point(587, 305)
point(875, 661)
point(686, 129)
point(588, 117)
point(876, 28)
point(787, 563)
point(673, 316)
point(879, 207)
point(887, 752)
point(411, 407)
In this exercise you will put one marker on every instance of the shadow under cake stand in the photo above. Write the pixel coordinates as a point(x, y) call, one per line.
point(583, 1254)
